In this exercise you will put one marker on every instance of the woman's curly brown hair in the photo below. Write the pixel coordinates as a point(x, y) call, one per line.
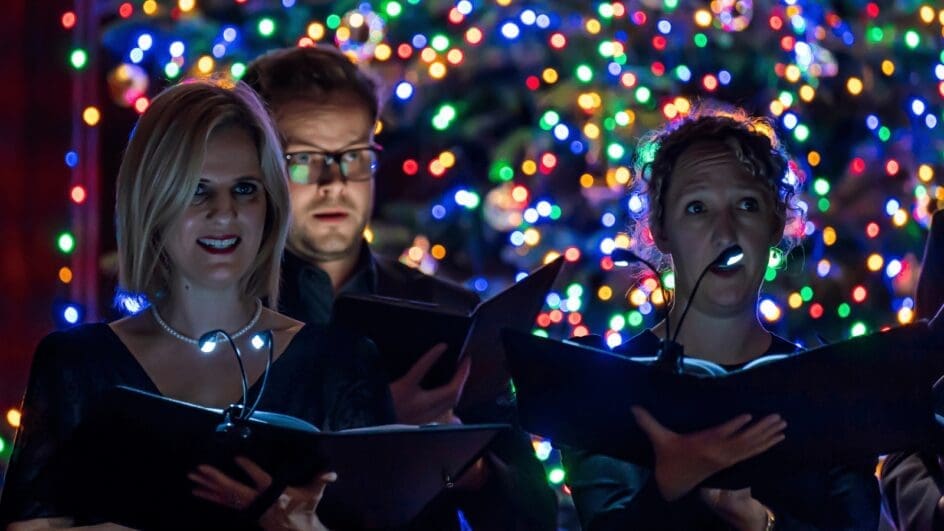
point(752, 140)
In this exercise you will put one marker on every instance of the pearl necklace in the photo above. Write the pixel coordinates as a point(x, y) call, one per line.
point(187, 339)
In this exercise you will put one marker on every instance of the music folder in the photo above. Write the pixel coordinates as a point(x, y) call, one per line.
point(129, 459)
point(404, 330)
point(843, 403)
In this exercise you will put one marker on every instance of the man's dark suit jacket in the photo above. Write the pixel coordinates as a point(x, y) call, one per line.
point(517, 495)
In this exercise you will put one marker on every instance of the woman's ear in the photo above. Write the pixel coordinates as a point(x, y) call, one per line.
point(778, 229)
point(659, 237)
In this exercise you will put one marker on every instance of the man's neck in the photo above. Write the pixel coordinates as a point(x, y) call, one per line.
point(340, 269)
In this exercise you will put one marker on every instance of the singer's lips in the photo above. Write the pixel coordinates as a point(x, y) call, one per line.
point(331, 215)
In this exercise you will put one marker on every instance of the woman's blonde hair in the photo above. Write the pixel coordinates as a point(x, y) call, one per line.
point(160, 172)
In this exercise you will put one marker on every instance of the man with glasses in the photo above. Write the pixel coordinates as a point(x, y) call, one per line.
point(326, 108)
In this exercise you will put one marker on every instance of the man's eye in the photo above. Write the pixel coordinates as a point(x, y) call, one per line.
point(695, 207)
point(301, 158)
point(351, 156)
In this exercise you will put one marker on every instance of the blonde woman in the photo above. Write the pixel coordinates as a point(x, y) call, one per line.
point(202, 213)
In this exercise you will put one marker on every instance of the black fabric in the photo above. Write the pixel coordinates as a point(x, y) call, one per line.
point(517, 495)
point(610, 494)
point(71, 369)
point(307, 294)
point(912, 486)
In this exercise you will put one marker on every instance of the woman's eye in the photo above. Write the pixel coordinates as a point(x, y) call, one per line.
point(245, 188)
point(695, 207)
point(200, 194)
point(749, 203)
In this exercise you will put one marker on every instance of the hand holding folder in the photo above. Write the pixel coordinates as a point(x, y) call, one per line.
point(844, 402)
point(129, 459)
point(403, 330)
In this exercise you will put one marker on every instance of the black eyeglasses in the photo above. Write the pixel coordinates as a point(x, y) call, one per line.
point(310, 167)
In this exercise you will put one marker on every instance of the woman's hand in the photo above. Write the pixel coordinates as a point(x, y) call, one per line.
point(737, 507)
point(682, 461)
point(293, 510)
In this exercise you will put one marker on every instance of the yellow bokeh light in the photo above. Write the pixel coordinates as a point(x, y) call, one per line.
point(316, 31)
point(637, 297)
point(605, 293)
point(503, 3)
point(529, 167)
point(65, 275)
point(589, 101)
point(593, 26)
point(813, 158)
point(550, 257)
point(854, 86)
point(792, 73)
point(186, 5)
point(428, 55)
point(586, 180)
point(591, 131)
point(447, 159)
point(532, 237)
point(383, 52)
point(657, 298)
point(549, 75)
point(368, 235)
point(438, 252)
point(454, 56)
point(14, 417)
point(905, 315)
point(888, 67)
point(415, 253)
point(703, 18)
point(776, 108)
point(681, 104)
point(437, 70)
point(795, 300)
point(622, 175)
point(378, 127)
point(900, 217)
point(622, 240)
point(91, 116)
point(343, 34)
point(927, 14)
point(205, 64)
point(829, 236)
point(149, 7)
point(807, 93)
point(874, 262)
point(925, 173)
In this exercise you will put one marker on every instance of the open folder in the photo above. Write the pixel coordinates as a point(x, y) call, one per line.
point(404, 330)
point(843, 402)
point(129, 460)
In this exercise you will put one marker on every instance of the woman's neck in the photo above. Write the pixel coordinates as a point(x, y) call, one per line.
point(728, 340)
point(193, 312)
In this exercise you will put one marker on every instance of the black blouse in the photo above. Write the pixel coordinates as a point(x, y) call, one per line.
point(611, 494)
point(323, 377)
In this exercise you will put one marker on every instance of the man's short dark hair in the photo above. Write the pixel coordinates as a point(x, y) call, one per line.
point(311, 73)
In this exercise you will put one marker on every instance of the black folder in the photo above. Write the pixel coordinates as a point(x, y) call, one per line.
point(403, 330)
point(128, 460)
point(845, 402)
